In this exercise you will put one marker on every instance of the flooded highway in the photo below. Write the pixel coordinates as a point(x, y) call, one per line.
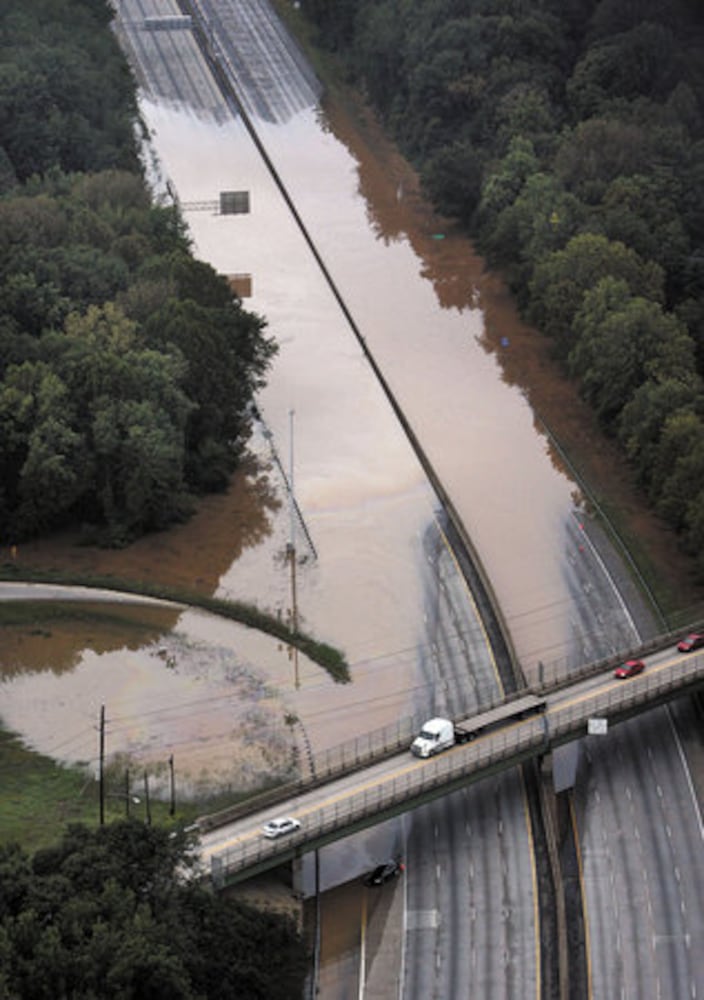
point(373, 572)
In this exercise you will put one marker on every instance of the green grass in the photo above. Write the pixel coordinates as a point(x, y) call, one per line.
point(40, 798)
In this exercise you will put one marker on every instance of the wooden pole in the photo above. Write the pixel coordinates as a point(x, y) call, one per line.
point(146, 799)
point(172, 806)
point(101, 765)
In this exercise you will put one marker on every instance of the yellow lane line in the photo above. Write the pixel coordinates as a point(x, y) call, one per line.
point(363, 949)
point(377, 782)
point(585, 921)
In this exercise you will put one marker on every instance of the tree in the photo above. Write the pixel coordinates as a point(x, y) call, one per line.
point(643, 60)
point(451, 178)
point(526, 110)
point(227, 356)
point(541, 220)
point(641, 212)
point(132, 404)
point(379, 57)
point(114, 913)
point(597, 152)
point(620, 342)
point(679, 470)
point(43, 460)
point(644, 417)
point(503, 185)
point(561, 280)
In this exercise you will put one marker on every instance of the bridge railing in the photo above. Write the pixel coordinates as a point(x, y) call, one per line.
point(342, 813)
point(345, 758)
point(560, 673)
point(499, 750)
point(621, 700)
point(373, 747)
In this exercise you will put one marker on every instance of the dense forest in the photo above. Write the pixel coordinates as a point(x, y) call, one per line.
point(127, 368)
point(567, 138)
point(112, 913)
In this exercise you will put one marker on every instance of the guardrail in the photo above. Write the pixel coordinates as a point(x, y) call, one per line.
point(465, 764)
point(370, 804)
point(629, 697)
point(380, 744)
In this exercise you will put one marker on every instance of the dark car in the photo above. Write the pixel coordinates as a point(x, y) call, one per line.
point(629, 669)
point(691, 642)
point(384, 873)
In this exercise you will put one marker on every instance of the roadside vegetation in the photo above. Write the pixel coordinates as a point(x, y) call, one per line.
point(127, 367)
point(566, 138)
point(40, 798)
point(112, 912)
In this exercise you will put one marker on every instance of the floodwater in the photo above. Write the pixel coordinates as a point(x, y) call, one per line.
point(205, 691)
point(440, 330)
point(468, 375)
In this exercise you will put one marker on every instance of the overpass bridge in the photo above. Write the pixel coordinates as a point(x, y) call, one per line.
point(363, 784)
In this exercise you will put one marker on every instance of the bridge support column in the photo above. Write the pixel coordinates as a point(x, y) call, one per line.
point(297, 877)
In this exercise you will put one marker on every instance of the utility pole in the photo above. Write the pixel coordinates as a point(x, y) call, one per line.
point(147, 806)
point(292, 552)
point(101, 765)
point(172, 806)
point(127, 792)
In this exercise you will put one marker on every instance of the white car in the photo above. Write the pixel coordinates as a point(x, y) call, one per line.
point(281, 826)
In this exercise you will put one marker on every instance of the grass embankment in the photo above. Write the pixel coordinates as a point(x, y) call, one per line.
point(39, 798)
point(324, 655)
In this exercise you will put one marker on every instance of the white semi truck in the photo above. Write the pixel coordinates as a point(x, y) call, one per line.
point(437, 735)
point(440, 734)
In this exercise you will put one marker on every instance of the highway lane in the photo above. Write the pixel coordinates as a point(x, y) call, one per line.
point(641, 850)
point(271, 77)
point(168, 63)
point(459, 667)
point(469, 913)
point(599, 623)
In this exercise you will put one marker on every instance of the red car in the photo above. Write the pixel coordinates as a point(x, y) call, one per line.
point(629, 669)
point(690, 642)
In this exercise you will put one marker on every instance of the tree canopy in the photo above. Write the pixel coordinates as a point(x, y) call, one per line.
point(117, 913)
point(127, 367)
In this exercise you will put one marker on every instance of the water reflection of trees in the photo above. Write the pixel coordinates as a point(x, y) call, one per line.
point(52, 636)
point(193, 555)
